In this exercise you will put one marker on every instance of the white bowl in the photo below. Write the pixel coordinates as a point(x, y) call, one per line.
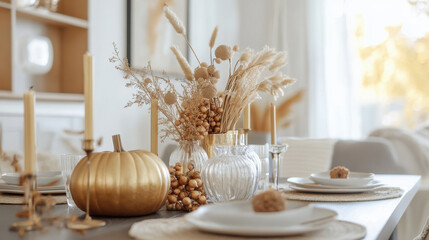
point(354, 179)
point(43, 178)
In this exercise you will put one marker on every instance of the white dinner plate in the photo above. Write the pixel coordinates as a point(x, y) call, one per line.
point(238, 218)
point(308, 183)
point(43, 178)
point(6, 188)
point(330, 190)
point(354, 179)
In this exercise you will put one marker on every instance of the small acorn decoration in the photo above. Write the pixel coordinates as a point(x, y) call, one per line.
point(186, 190)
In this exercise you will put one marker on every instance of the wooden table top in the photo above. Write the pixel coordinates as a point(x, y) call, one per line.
point(379, 217)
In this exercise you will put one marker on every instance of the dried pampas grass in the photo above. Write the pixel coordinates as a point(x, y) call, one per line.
point(174, 20)
point(252, 73)
point(213, 38)
point(183, 63)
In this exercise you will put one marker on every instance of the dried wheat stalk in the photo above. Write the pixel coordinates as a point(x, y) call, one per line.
point(250, 74)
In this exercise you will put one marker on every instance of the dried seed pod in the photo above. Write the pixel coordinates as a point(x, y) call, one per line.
point(209, 91)
point(201, 72)
point(179, 206)
point(195, 195)
point(223, 52)
point(170, 206)
point(211, 69)
point(171, 169)
point(176, 191)
point(193, 183)
point(182, 195)
point(217, 129)
point(172, 198)
point(183, 180)
point(189, 189)
point(170, 98)
point(199, 182)
point(216, 74)
point(203, 109)
point(174, 184)
point(202, 200)
point(186, 201)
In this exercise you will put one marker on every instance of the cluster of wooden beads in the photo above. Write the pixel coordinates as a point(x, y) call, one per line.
point(186, 189)
point(210, 116)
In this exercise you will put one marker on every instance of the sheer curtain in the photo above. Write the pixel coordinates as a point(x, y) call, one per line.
point(315, 35)
point(333, 86)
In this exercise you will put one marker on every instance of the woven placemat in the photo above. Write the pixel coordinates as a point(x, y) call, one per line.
point(376, 194)
point(180, 229)
point(18, 199)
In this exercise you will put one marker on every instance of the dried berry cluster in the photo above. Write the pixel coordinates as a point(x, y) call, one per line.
point(186, 189)
point(209, 117)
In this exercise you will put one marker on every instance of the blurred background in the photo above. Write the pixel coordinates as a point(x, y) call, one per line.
point(360, 65)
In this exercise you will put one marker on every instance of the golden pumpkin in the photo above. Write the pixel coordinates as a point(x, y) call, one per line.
point(122, 183)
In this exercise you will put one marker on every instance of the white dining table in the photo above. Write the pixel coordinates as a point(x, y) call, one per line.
point(379, 217)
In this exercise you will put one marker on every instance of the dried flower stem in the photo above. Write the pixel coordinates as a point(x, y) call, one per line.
point(192, 49)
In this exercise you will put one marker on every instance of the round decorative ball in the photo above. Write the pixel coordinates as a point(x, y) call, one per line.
point(122, 183)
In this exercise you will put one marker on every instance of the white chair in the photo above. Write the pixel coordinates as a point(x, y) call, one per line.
point(412, 150)
point(424, 235)
point(305, 156)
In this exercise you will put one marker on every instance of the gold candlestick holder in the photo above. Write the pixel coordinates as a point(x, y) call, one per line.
point(33, 222)
point(87, 222)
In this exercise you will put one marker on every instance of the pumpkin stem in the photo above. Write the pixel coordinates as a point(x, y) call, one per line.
point(117, 144)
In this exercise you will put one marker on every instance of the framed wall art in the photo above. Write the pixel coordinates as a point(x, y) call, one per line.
point(149, 35)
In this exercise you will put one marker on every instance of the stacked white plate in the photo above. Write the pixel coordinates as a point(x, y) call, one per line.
point(323, 183)
point(238, 218)
point(47, 182)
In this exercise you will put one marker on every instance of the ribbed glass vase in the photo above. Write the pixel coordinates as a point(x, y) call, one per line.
point(232, 174)
point(189, 152)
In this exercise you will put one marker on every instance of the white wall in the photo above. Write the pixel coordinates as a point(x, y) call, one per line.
point(108, 25)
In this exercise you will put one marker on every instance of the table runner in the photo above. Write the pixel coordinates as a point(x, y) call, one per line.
point(376, 194)
point(180, 229)
point(18, 199)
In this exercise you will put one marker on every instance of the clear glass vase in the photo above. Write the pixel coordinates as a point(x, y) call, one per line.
point(231, 174)
point(189, 152)
point(263, 152)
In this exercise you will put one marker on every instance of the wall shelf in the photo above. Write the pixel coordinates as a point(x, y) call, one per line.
point(67, 29)
point(5, 5)
point(43, 96)
point(45, 16)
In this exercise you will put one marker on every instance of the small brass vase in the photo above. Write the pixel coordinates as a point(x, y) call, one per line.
point(230, 138)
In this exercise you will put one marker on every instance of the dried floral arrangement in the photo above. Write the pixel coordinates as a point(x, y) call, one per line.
point(199, 109)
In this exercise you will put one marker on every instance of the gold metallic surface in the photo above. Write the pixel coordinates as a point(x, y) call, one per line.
point(230, 138)
point(121, 183)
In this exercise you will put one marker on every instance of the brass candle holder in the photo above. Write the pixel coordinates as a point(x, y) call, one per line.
point(87, 222)
point(33, 222)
